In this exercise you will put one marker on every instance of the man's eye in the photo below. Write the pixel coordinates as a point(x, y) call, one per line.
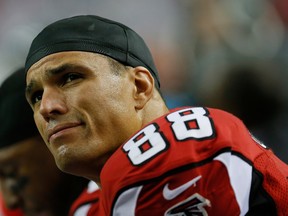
point(70, 77)
point(36, 97)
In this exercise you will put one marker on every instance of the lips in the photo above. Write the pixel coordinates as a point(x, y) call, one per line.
point(61, 127)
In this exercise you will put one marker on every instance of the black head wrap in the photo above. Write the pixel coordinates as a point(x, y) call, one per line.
point(16, 116)
point(93, 34)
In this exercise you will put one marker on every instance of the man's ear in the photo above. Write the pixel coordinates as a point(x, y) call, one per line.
point(144, 85)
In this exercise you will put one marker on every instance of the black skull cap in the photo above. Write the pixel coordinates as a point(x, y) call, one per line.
point(93, 34)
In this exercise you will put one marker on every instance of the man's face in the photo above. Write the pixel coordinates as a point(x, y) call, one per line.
point(29, 177)
point(82, 110)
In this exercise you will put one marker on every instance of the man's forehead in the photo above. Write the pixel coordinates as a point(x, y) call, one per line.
point(54, 60)
point(46, 62)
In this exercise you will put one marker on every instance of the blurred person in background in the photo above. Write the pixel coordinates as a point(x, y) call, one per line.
point(29, 179)
point(239, 62)
point(256, 94)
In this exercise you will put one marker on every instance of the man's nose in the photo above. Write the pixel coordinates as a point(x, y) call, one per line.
point(52, 103)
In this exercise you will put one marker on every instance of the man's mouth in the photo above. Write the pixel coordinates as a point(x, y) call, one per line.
point(60, 129)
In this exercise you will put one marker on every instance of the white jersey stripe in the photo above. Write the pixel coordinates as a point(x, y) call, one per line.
point(240, 174)
point(83, 210)
point(130, 198)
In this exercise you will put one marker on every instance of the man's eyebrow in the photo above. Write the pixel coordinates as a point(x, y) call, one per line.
point(49, 73)
point(60, 69)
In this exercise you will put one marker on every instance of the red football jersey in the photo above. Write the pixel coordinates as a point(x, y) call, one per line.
point(194, 161)
point(87, 204)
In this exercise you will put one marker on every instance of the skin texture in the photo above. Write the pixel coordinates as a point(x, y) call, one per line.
point(85, 110)
point(27, 185)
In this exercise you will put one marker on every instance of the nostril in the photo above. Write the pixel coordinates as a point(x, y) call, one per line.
point(52, 104)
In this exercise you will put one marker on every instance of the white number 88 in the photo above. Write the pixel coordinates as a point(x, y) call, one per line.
point(190, 123)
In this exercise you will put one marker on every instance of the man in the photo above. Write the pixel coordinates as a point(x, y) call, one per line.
point(29, 179)
point(95, 93)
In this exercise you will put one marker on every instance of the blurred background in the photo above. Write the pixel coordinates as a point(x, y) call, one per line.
point(226, 54)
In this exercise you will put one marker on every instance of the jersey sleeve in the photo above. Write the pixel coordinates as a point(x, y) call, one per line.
point(193, 161)
point(87, 204)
